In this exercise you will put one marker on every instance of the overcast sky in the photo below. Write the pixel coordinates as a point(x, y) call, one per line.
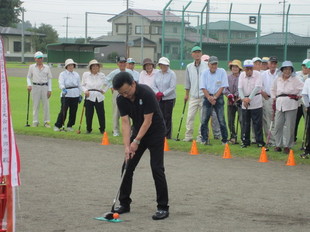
point(54, 12)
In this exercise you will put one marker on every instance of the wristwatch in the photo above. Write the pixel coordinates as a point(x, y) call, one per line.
point(136, 141)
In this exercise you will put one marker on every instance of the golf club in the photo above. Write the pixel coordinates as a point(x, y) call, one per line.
point(305, 132)
point(236, 142)
point(109, 215)
point(28, 102)
point(79, 130)
point(183, 111)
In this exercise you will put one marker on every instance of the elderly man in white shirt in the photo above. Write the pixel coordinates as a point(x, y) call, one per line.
point(39, 82)
point(122, 64)
point(193, 94)
point(249, 87)
point(303, 75)
point(70, 84)
point(212, 83)
point(306, 99)
point(268, 78)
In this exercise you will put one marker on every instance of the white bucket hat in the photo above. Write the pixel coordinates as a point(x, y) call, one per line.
point(93, 62)
point(70, 61)
point(164, 61)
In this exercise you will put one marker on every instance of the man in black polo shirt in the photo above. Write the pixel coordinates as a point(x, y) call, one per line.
point(139, 103)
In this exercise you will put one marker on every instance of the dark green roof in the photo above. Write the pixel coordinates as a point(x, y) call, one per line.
point(278, 38)
point(224, 25)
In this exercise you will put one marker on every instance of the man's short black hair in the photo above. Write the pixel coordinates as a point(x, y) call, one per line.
point(122, 78)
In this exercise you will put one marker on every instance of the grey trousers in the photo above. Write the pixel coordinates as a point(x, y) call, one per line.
point(284, 128)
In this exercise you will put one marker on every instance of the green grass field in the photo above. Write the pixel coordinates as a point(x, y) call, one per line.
point(18, 102)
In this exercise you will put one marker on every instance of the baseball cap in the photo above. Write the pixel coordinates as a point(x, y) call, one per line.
point(196, 48)
point(308, 64)
point(273, 59)
point(121, 59)
point(38, 55)
point(131, 61)
point(213, 60)
point(265, 59)
point(305, 61)
point(248, 63)
point(256, 59)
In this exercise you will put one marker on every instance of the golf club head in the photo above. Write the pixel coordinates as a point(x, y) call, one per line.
point(27, 125)
point(266, 149)
point(176, 139)
point(78, 132)
point(108, 215)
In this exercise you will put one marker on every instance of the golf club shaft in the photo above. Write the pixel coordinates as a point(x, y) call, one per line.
point(183, 111)
point(28, 103)
point(81, 120)
point(305, 130)
point(121, 182)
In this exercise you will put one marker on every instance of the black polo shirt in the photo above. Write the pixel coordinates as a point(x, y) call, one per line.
point(145, 103)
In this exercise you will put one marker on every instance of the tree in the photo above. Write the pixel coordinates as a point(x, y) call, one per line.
point(27, 25)
point(10, 10)
point(40, 42)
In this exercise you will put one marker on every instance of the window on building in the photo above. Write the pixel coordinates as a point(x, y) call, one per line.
point(17, 46)
point(121, 29)
point(175, 30)
point(138, 30)
point(155, 30)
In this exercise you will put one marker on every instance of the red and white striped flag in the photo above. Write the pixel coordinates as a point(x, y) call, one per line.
point(9, 156)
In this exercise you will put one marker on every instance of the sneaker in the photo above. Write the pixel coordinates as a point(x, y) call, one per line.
point(198, 139)
point(121, 209)
point(277, 149)
point(35, 124)
point(187, 140)
point(160, 214)
point(70, 129)
point(56, 128)
point(286, 150)
point(47, 125)
point(304, 156)
point(115, 134)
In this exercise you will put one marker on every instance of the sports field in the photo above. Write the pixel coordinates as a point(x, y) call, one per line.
point(67, 179)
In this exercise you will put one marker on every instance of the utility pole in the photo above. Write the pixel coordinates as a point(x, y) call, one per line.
point(283, 17)
point(207, 19)
point(67, 19)
point(23, 35)
point(127, 28)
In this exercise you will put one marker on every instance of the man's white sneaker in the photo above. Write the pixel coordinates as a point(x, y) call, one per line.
point(47, 125)
point(70, 129)
point(56, 128)
point(187, 140)
point(35, 124)
point(115, 134)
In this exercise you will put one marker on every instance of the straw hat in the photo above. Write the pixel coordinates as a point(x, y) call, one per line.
point(237, 63)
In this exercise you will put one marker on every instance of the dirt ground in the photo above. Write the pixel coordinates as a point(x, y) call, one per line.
point(65, 184)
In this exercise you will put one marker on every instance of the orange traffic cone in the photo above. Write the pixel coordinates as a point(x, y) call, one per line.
point(166, 147)
point(194, 150)
point(226, 154)
point(105, 139)
point(263, 156)
point(291, 159)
